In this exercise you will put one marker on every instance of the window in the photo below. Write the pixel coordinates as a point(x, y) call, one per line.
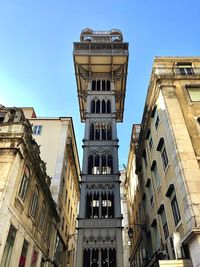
point(5, 262)
point(22, 260)
point(100, 85)
point(175, 210)
point(154, 169)
point(163, 152)
point(164, 157)
point(48, 228)
point(34, 203)
point(184, 68)
point(157, 120)
point(194, 93)
point(156, 235)
point(149, 186)
point(100, 131)
point(150, 142)
point(144, 155)
point(174, 203)
point(42, 217)
point(2, 115)
point(161, 211)
point(34, 258)
point(37, 129)
point(100, 164)
point(24, 184)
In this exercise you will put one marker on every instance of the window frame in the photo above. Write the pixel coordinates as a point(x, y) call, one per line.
point(34, 203)
point(24, 184)
point(188, 88)
point(37, 129)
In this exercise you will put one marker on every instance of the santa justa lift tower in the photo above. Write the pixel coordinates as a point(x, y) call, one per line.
point(100, 60)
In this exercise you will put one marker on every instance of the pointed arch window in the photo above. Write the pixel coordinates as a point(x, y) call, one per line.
point(103, 106)
point(110, 164)
point(98, 85)
point(93, 85)
point(108, 106)
point(97, 131)
point(96, 169)
point(103, 85)
point(108, 85)
point(98, 106)
point(103, 131)
point(92, 131)
point(93, 106)
point(90, 164)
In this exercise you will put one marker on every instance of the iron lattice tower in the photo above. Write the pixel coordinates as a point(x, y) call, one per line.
point(101, 60)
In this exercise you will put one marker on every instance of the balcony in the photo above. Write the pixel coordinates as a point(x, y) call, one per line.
point(178, 73)
point(100, 49)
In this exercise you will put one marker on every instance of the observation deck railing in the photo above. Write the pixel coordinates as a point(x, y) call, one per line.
point(100, 49)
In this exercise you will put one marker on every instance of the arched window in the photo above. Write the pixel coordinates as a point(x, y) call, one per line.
point(104, 258)
point(108, 85)
point(111, 205)
point(95, 258)
point(97, 132)
point(103, 163)
point(112, 257)
point(92, 131)
point(24, 184)
point(108, 106)
point(103, 85)
point(104, 206)
point(98, 106)
point(103, 106)
point(34, 203)
point(93, 85)
point(103, 131)
point(110, 164)
point(95, 206)
point(90, 164)
point(98, 85)
point(96, 169)
point(86, 257)
point(109, 132)
point(93, 106)
point(88, 206)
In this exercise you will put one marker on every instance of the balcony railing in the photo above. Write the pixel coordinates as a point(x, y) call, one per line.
point(176, 72)
point(100, 49)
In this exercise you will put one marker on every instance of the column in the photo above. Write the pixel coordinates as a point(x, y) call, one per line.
point(29, 255)
point(17, 249)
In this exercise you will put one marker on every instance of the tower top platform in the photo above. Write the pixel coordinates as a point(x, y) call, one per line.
point(101, 55)
point(88, 35)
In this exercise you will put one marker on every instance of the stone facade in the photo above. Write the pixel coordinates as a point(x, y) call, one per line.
point(27, 211)
point(167, 161)
point(57, 142)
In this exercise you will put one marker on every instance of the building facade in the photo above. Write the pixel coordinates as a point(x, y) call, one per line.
point(57, 142)
point(125, 222)
point(100, 60)
point(167, 162)
point(27, 211)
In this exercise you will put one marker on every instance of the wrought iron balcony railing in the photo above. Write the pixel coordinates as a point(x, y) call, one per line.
point(182, 73)
point(98, 49)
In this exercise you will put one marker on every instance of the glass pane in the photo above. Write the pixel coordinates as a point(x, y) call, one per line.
point(22, 259)
point(194, 94)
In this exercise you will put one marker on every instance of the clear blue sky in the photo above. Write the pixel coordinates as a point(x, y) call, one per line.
point(36, 44)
